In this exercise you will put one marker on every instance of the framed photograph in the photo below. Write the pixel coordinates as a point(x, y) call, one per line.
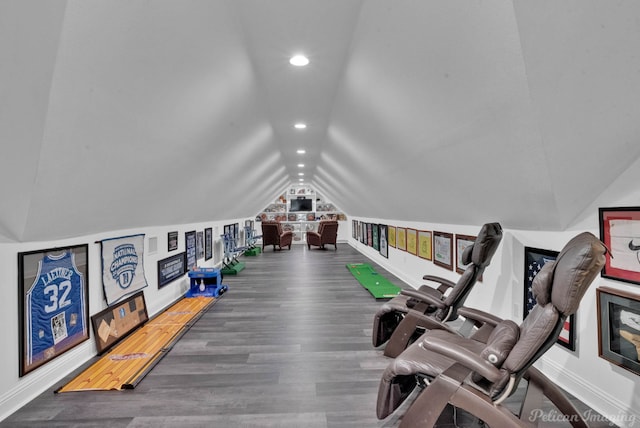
point(619, 328)
point(376, 236)
point(171, 268)
point(620, 232)
point(443, 249)
point(53, 303)
point(172, 241)
point(114, 323)
point(190, 249)
point(354, 229)
point(462, 242)
point(401, 238)
point(200, 245)
point(412, 241)
point(370, 234)
point(424, 245)
point(534, 259)
point(384, 242)
point(208, 242)
point(391, 236)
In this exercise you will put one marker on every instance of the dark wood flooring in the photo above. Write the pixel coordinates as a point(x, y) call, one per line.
point(289, 345)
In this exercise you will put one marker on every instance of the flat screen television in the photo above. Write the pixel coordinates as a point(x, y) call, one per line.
point(302, 204)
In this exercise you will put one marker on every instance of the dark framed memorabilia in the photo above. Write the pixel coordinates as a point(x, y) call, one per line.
point(171, 268)
point(363, 232)
point(391, 236)
point(208, 242)
point(620, 232)
point(534, 259)
point(172, 241)
point(384, 242)
point(200, 245)
point(376, 236)
point(462, 242)
point(53, 303)
point(190, 249)
point(401, 238)
point(424, 245)
point(619, 328)
point(443, 249)
point(412, 241)
point(370, 234)
point(354, 229)
point(114, 323)
point(227, 229)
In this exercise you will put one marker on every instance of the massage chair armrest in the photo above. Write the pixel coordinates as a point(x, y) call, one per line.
point(428, 322)
point(462, 356)
point(479, 316)
point(445, 284)
point(424, 298)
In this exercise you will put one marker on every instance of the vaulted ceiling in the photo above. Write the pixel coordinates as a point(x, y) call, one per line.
point(131, 113)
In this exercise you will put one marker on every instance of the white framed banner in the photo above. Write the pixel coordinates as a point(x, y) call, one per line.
point(122, 267)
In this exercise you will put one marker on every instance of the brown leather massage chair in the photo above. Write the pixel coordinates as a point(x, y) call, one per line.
point(405, 317)
point(479, 372)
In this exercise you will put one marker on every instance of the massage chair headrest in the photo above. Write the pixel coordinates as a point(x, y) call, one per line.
point(482, 250)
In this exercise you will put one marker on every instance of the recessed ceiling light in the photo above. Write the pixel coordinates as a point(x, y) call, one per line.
point(300, 165)
point(299, 60)
point(301, 151)
point(301, 173)
point(300, 179)
point(300, 125)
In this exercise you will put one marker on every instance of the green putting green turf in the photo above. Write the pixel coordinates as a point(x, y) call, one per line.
point(379, 286)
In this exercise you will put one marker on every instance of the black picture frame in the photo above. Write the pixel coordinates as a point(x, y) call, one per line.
point(534, 260)
point(53, 299)
point(617, 232)
point(618, 326)
point(200, 245)
point(384, 240)
point(208, 243)
point(190, 249)
point(172, 241)
point(375, 234)
point(171, 268)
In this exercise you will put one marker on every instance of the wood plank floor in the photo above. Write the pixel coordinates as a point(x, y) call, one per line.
point(289, 345)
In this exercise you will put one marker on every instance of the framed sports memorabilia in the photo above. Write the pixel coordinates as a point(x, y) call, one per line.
point(376, 236)
point(412, 241)
point(200, 245)
point(354, 229)
point(401, 238)
point(122, 267)
point(534, 260)
point(53, 303)
point(462, 242)
point(172, 241)
point(370, 234)
point(424, 245)
point(384, 242)
point(171, 268)
point(620, 232)
point(114, 323)
point(443, 249)
point(190, 249)
point(208, 242)
point(619, 328)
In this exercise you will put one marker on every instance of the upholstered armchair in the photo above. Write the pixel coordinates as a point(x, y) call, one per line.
point(272, 234)
point(327, 234)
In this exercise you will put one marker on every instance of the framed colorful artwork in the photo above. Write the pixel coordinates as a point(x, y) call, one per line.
point(53, 303)
point(462, 242)
point(619, 328)
point(384, 241)
point(412, 241)
point(391, 236)
point(534, 259)
point(620, 232)
point(401, 238)
point(443, 249)
point(424, 245)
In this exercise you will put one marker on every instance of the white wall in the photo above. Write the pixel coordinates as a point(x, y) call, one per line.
point(608, 389)
point(16, 391)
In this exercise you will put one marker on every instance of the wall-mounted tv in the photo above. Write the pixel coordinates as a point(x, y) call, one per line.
point(301, 204)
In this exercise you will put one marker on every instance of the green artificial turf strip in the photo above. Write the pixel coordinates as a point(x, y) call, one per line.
point(379, 286)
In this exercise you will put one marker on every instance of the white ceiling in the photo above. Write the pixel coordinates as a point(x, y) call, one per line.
point(118, 114)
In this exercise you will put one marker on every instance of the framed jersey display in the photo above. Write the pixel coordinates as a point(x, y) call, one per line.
point(53, 299)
